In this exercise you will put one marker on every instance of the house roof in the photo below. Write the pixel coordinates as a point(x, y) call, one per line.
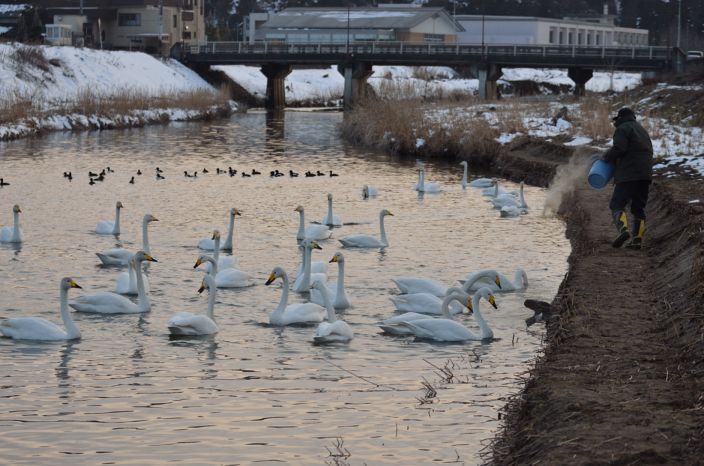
point(359, 18)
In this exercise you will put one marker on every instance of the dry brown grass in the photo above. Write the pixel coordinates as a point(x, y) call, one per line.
point(594, 120)
point(31, 56)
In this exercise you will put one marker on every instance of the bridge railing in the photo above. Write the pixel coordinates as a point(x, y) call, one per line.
point(408, 48)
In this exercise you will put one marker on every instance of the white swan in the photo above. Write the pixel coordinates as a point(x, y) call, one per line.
point(106, 227)
point(36, 328)
point(127, 281)
point(464, 174)
point(426, 187)
point(369, 191)
point(413, 285)
point(13, 234)
point(186, 323)
point(330, 219)
point(208, 244)
point(225, 262)
point(368, 241)
point(120, 256)
point(315, 266)
point(314, 231)
point(425, 303)
point(302, 283)
point(288, 314)
point(446, 329)
point(512, 211)
point(392, 324)
point(337, 289)
point(481, 183)
point(506, 200)
point(227, 278)
point(334, 330)
point(107, 302)
point(519, 282)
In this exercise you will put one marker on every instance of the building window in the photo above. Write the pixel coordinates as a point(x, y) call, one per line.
point(434, 38)
point(129, 19)
point(551, 37)
point(570, 38)
point(175, 21)
point(186, 35)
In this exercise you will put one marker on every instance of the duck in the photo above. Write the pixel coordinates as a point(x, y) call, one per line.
point(91, 182)
point(107, 302)
point(447, 330)
point(39, 329)
point(159, 170)
point(330, 219)
point(13, 234)
point(188, 324)
point(333, 173)
point(369, 241)
point(369, 191)
point(334, 330)
point(292, 314)
point(227, 278)
point(208, 244)
point(106, 227)
point(139, 172)
point(315, 232)
point(426, 187)
point(159, 176)
point(319, 173)
point(309, 174)
point(392, 324)
point(413, 285)
point(127, 281)
point(255, 172)
point(205, 170)
point(292, 174)
point(120, 256)
point(303, 281)
point(3, 183)
point(131, 180)
point(335, 290)
point(519, 282)
point(246, 175)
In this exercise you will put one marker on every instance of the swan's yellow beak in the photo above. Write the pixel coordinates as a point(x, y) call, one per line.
point(389, 213)
point(492, 301)
point(315, 245)
point(198, 262)
point(497, 280)
point(149, 258)
point(202, 287)
point(334, 259)
point(73, 284)
point(154, 219)
point(469, 305)
point(271, 279)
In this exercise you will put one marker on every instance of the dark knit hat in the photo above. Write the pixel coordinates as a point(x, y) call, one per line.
point(624, 112)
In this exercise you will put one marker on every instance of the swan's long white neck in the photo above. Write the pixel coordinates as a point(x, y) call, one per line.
point(284, 294)
point(329, 218)
point(421, 180)
point(301, 228)
point(496, 189)
point(382, 230)
point(521, 198)
point(445, 309)
point(142, 297)
point(213, 263)
point(307, 253)
point(212, 289)
point(16, 227)
point(519, 279)
point(477, 276)
point(145, 236)
point(483, 327)
point(228, 241)
point(332, 317)
point(131, 274)
point(116, 227)
point(464, 176)
point(71, 328)
point(340, 290)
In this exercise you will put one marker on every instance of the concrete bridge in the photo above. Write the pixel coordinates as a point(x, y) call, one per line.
point(485, 62)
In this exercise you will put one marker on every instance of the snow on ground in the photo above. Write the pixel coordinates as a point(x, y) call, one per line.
point(602, 81)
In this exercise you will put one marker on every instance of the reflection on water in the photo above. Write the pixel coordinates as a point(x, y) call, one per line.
point(129, 393)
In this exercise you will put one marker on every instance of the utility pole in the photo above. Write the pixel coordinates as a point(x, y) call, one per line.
point(679, 21)
point(347, 49)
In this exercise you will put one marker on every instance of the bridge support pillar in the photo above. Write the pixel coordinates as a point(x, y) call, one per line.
point(580, 76)
point(487, 74)
point(356, 75)
point(275, 90)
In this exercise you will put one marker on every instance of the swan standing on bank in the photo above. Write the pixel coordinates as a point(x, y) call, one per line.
point(13, 234)
point(334, 330)
point(289, 314)
point(335, 290)
point(106, 227)
point(186, 323)
point(426, 187)
point(448, 330)
point(330, 219)
point(120, 256)
point(368, 241)
point(208, 244)
point(314, 231)
point(393, 325)
point(519, 282)
point(107, 302)
point(227, 278)
point(414, 285)
point(302, 283)
point(37, 328)
point(127, 281)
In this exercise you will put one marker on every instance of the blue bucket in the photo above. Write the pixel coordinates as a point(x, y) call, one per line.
point(600, 174)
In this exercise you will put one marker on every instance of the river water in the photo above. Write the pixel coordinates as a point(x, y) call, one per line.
point(126, 393)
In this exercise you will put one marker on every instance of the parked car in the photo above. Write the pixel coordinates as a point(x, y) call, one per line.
point(695, 55)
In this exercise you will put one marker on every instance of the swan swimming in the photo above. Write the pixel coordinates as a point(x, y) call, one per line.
point(519, 282)
point(425, 303)
point(426, 187)
point(127, 281)
point(506, 200)
point(225, 262)
point(414, 285)
point(106, 227)
point(447, 330)
point(289, 314)
point(120, 256)
point(186, 323)
point(334, 330)
point(314, 231)
point(330, 219)
point(369, 191)
point(208, 244)
point(107, 302)
point(227, 278)
point(392, 324)
point(37, 328)
point(13, 234)
point(337, 289)
point(302, 283)
point(368, 241)
point(315, 266)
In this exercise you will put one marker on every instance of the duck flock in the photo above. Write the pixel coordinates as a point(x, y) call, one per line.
point(425, 307)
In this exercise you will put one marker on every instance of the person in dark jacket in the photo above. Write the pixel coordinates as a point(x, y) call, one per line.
point(632, 156)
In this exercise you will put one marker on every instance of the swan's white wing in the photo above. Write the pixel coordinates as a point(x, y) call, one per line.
point(185, 323)
point(224, 262)
point(208, 244)
point(232, 278)
point(432, 187)
point(317, 232)
point(115, 256)
point(315, 267)
point(512, 211)
point(125, 287)
point(317, 297)
point(298, 284)
point(440, 330)
point(420, 285)
point(104, 303)
point(302, 313)
point(424, 303)
point(31, 328)
point(338, 331)
point(335, 220)
point(104, 227)
point(392, 324)
point(6, 235)
point(361, 241)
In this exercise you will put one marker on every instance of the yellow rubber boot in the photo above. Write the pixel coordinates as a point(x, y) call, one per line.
point(621, 222)
point(638, 234)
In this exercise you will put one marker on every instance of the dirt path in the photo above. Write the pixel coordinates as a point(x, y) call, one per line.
point(622, 377)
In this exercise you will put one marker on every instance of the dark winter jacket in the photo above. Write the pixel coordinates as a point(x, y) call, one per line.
point(632, 151)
